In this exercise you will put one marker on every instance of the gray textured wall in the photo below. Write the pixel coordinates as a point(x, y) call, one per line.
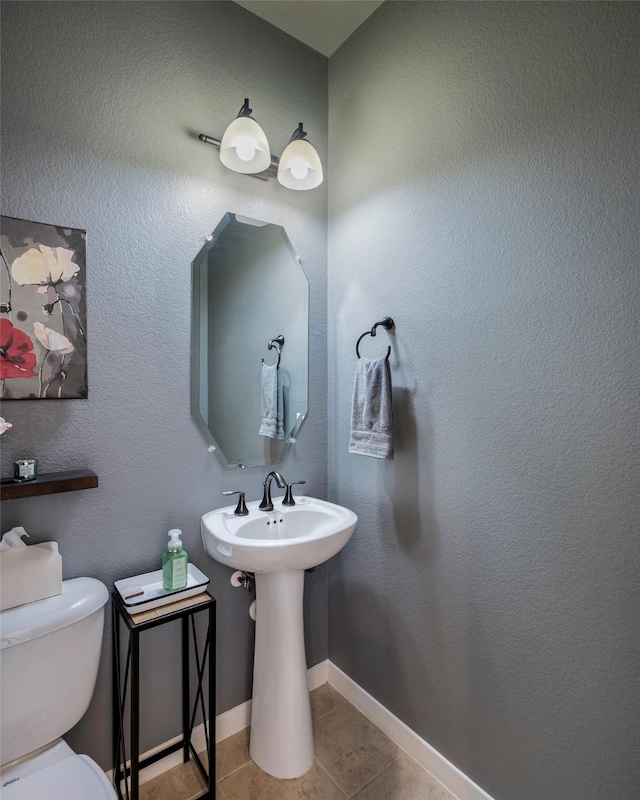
point(484, 175)
point(100, 104)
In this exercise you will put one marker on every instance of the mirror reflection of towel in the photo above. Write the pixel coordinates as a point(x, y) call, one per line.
point(272, 423)
point(371, 411)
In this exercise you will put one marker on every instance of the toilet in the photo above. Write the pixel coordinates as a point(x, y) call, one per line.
point(50, 651)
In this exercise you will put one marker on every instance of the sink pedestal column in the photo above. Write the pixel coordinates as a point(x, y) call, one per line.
point(281, 729)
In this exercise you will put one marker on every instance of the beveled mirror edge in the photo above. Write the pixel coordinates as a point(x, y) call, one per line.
point(194, 360)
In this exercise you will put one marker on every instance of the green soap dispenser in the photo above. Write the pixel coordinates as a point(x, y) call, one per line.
point(174, 564)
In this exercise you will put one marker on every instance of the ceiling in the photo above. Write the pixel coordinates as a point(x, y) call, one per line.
point(322, 24)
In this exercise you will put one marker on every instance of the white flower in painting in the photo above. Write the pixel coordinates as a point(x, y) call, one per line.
point(44, 266)
point(4, 426)
point(52, 340)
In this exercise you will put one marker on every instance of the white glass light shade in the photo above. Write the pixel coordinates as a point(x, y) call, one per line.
point(244, 147)
point(300, 166)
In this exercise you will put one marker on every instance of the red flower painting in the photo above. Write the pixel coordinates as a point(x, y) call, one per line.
point(17, 358)
point(43, 311)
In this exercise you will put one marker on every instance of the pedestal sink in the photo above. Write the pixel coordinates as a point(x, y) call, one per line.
point(277, 546)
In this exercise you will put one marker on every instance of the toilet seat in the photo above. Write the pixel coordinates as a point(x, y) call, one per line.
point(73, 778)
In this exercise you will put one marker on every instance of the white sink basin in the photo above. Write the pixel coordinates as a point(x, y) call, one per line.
point(278, 546)
point(289, 537)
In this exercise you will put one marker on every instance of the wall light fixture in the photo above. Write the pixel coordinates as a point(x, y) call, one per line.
point(244, 148)
point(300, 166)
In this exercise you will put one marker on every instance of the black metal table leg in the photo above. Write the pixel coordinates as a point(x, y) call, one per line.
point(186, 732)
point(211, 749)
point(115, 688)
point(135, 714)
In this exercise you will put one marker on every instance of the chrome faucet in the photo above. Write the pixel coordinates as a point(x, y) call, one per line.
point(266, 504)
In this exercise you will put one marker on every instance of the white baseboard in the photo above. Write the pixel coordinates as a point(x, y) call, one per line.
point(418, 749)
point(229, 722)
point(318, 675)
point(237, 719)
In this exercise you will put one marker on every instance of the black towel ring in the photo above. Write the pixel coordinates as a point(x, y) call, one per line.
point(275, 344)
point(387, 323)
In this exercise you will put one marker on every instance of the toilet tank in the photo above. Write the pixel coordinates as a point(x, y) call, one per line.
point(49, 656)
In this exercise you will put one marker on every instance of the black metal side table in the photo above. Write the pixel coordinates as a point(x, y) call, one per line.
point(129, 674)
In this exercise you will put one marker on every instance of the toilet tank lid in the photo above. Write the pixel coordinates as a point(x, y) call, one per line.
point(80, 597)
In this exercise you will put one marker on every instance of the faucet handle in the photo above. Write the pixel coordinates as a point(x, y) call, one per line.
point(241, 508)
point(288, 497)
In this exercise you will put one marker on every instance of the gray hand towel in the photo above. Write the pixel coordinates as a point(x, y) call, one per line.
point(372, 411)
point(272, 423)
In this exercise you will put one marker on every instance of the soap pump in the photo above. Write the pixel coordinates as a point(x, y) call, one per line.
point(174, 564)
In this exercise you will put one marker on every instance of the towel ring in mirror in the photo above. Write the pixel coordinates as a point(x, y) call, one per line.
point(387, 323)
point(276, 344)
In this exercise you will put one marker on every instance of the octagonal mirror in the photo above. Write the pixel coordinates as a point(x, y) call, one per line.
point(249, 342)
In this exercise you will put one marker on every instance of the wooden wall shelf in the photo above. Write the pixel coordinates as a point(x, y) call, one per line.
point(49, 483)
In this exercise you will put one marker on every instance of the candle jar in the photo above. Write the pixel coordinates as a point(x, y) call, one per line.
point(25, 470)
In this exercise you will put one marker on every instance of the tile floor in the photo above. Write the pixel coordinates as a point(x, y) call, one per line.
point(353, 760)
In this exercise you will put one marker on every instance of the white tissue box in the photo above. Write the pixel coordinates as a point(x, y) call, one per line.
point(29, 573)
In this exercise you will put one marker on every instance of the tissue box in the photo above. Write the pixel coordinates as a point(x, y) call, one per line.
point(29, 573)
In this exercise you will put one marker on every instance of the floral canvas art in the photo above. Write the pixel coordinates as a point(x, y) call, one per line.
point(43, 343)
